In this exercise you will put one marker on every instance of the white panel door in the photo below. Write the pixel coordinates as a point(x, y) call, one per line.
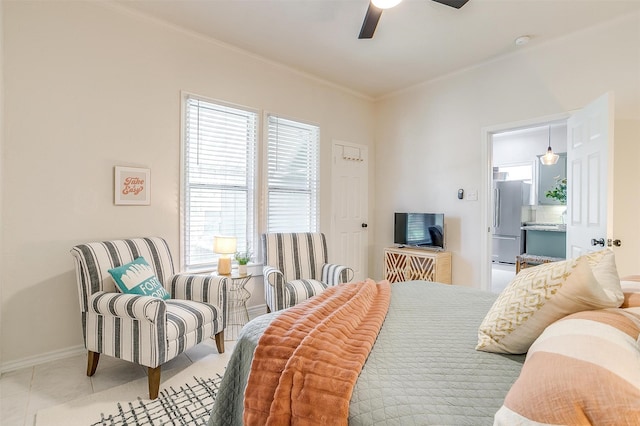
point(590, 177)
point(349, 239)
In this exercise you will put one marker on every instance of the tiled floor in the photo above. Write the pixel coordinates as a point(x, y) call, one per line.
point(24, 392)
point(501, 276)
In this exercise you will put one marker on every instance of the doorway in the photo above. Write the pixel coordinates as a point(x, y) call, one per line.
point(589, 184)
point(513, 188)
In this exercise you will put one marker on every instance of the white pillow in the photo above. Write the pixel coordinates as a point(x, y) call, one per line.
point(603, 266)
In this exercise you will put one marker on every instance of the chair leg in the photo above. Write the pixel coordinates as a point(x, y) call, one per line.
point(154, 381)
point(220, 342)
point(92, 362)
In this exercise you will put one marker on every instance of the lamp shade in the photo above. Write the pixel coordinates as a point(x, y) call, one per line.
point(224, 245)
point(549, 158)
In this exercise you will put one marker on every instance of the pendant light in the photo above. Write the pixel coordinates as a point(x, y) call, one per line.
point(549, 158)
point(385, 4)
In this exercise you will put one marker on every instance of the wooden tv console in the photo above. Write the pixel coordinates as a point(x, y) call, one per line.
point(406, 264)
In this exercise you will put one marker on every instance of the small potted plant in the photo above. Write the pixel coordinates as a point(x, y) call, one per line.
point(559, 192)
point(243, 257)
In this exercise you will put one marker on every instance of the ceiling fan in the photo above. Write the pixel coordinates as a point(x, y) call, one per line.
point(377, 6)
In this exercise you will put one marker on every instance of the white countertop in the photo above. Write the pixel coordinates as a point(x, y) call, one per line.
point(550, 227)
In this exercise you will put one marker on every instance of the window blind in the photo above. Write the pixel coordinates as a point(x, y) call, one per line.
point(292, 176)
point(219, 180)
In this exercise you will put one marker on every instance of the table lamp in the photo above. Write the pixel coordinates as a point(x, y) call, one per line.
point(225, 246)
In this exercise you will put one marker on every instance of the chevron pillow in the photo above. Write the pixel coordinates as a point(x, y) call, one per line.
point(541, 295)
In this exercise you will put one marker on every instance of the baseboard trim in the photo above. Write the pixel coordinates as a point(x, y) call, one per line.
point(41, 359)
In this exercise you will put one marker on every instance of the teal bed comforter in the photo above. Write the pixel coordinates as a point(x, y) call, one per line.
point(422, 370)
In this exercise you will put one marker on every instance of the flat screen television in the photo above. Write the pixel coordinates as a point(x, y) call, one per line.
point(421, 230)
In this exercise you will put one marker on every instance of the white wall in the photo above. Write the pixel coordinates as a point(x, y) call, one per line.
point(89, 87)
point(525, 145)
point(429, 137)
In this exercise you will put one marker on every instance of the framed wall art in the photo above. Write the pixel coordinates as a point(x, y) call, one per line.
point(132, 186)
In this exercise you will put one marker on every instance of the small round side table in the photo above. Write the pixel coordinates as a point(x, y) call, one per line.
point(238, 296)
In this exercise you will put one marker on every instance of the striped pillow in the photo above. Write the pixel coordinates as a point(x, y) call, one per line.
point(631, 290)
point(584, 369)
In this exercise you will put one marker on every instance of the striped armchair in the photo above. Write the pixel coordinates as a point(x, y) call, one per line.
point(296, 268)
point(145, 330)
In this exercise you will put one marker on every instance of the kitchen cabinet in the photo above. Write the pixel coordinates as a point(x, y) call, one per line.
point(546, 240)
point(547, 176)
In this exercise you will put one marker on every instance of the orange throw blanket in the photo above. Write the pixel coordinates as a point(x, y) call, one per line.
point(308, 360)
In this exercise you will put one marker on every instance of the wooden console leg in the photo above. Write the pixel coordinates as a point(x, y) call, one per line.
point(154, 381)
point(220, 342)
point(92, 362)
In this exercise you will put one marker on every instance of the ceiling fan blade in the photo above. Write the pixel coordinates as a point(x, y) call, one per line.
point(370, 22)
point(453, 3)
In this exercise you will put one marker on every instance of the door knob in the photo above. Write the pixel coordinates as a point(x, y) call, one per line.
point(616, 243)
point(599, 242)
point(364, 225)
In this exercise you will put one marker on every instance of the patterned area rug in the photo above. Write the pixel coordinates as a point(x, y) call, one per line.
point(187, 392)
point(188, 405)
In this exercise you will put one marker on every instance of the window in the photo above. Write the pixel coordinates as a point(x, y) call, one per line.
point(522, 172)
point(219, 179)
point(220, 164)
point(292, 176)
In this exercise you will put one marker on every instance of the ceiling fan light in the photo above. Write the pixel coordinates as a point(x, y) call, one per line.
point(385, 4)
point(549, 158)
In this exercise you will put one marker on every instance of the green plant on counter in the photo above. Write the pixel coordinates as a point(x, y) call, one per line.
point(559, 192)
point(243, 257)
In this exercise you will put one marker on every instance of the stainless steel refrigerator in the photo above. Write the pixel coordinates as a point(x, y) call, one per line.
point(508, 199)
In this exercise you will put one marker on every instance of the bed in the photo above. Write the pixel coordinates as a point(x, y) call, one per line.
point(441, 354)
point(422, 369)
